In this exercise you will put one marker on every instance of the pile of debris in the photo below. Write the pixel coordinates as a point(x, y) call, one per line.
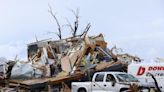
point(56, 62)
point(65, 59)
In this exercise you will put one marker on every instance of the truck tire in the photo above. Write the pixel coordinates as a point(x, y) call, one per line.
point(82, 90)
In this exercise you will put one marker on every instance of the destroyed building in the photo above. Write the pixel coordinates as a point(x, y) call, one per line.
point(50, 58)
point(56, 62)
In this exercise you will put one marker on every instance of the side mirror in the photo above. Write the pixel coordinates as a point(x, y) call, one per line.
point(113, 84)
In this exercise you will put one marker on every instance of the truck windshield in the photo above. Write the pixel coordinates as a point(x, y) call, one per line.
point(126, 78)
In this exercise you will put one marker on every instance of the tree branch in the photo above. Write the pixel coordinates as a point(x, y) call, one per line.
point(59, 27)
point(76, 23)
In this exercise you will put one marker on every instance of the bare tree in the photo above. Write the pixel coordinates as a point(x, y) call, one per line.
point(76, 23)
point(74, 28)
point(59, 27)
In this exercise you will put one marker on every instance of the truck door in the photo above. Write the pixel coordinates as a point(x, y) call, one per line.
point(98, 83)
point(110, 83)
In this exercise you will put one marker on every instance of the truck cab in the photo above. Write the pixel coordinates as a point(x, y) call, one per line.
point(106, 82)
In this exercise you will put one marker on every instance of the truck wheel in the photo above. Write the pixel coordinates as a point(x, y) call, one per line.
point(82, 90)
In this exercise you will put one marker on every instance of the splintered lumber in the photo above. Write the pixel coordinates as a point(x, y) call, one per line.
point(42, 82)
point(29, 84)
point(59, 80)
point(65, 64)
point(5, 89)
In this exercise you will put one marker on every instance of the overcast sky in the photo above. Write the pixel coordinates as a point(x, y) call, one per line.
point(137, 26)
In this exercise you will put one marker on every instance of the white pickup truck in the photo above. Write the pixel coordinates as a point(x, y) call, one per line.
point(106, 82)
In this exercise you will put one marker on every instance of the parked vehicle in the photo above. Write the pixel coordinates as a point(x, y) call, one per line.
point(142, 72)
point(106, 82)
